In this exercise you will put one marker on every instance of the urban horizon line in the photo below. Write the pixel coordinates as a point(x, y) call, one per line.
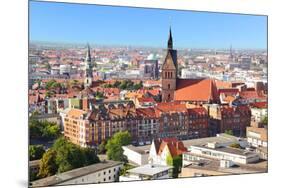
point(137, 46)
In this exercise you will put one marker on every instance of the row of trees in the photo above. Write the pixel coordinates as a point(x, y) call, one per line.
point(53, 84)
point(125, 84)
point(64, 156)
point(43, 130)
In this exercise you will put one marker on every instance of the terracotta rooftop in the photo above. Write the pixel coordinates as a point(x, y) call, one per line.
point(196, 90)
point(251, 95)
point(170, 107)
point(76, 113)
point(228, 91)
point(259, 105)
point(142, 99)
point(175, 147)
point(146, 112)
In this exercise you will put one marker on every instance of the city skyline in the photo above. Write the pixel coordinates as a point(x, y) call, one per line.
point(77, 23)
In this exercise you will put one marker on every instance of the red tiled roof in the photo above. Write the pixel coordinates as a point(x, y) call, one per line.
point(146, 112)
point(197, 111)
point(259, 105)
point(76, 113)
point(142, 99)
point(170, 107)
point(175, 147)
point(251, 95)
point(251, 89)
point(228, 91)
point(153, 92)
point(223, 84)
point(238, 109)
point(196, 90)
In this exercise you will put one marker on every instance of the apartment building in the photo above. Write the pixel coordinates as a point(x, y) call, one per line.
point(225, 117)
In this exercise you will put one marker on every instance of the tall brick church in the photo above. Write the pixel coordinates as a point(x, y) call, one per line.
point(169, 72)
point(177, 89)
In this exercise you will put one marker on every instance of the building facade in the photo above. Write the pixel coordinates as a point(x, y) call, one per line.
point(224, 118)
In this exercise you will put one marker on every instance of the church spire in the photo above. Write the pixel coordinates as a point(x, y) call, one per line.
point(88, 55)
point(170, 40)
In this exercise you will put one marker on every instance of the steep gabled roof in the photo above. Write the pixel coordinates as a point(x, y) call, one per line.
point(196, 90)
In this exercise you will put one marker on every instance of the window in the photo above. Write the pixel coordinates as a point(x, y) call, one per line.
point(109, 171)
point(109, 178)
point(104, 172)
point(104, 179)
point(169, 86)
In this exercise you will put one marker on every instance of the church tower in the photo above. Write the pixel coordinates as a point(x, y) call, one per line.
point(169, 72)
point(88, 75)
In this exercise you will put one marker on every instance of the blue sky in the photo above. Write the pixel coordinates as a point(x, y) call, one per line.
point(107, 25)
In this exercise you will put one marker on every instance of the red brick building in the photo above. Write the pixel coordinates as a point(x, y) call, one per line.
point(100, 122)
point(224, 118)
point(191, 90)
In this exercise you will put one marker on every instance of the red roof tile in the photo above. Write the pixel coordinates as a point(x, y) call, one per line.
point(196, 90)
point(259, 105)
point(175, 147)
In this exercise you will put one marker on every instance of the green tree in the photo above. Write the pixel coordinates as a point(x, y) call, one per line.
point(235, 145)
point(34, 128)
point(50, 130)
point(49, 84)
point(101, 148)
point(43, 129)
point(32, 176)
point(138, 86)
point(123, 85)
point(48, 166)
point(99, 95)
point(70, 156)
point(36, 152)
point(116, 83)
point(90, 156)
point(125, 168)
point(176, 162)
point(264, 121)
point(229, 132)
point(114, 146)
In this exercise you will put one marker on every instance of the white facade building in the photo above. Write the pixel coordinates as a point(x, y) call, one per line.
point(97, 173)
point(135, 155)
point(258, 113)
point(225, 153)
point(148, 172)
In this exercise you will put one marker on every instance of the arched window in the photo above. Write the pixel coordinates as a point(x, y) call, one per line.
point(169, 86)
point(169, 96)
point(171, 74)
point(166, 74)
